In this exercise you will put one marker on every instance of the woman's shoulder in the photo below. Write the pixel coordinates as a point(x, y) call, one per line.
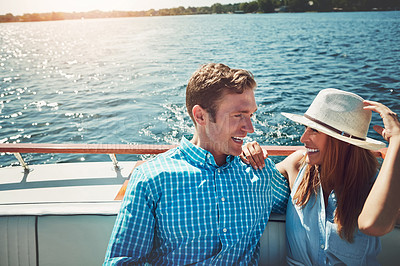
point(291, 165)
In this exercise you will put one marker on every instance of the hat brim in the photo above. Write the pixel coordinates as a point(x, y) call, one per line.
point(368, 143)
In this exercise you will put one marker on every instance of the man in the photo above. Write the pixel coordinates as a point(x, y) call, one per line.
point(199, 203)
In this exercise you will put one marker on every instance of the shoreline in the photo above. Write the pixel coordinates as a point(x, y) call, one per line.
point(97, 14)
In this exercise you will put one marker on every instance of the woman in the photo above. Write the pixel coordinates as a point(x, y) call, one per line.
point(333, 215)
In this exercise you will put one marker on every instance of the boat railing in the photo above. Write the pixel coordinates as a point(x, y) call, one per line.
point(113, 149)
point(51, 148)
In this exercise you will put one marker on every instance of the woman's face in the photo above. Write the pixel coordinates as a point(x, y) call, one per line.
point(315, 143)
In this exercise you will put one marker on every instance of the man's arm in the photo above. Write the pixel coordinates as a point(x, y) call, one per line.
point(280, 188)
point(132, 237)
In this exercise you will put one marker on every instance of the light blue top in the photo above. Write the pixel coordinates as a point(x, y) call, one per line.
point(182, 208)
point(312, 237)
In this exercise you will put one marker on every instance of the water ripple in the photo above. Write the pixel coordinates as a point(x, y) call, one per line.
point(124, 80)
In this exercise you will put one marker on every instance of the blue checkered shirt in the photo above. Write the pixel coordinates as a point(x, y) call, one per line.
point(182, 208)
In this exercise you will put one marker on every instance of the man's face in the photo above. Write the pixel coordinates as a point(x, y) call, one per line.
point(232, 123)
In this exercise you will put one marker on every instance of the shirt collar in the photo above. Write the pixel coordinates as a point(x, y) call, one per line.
point(201, 157)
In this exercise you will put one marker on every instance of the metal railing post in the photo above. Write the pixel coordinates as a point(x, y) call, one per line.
point(114, 160)
point(21, 161)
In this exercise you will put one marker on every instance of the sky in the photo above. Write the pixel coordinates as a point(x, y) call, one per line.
point(20, 7)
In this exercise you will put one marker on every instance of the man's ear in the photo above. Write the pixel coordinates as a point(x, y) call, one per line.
point(199, 114)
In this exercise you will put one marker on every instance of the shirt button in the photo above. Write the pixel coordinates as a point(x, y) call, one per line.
point(224, 230)
point(322, 246)
point(222, 199)
point(220, 257)
point(219, 171)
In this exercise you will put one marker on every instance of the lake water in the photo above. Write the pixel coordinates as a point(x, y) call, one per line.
point(123, 80)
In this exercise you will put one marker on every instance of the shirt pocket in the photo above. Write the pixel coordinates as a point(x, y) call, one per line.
point(339, 250)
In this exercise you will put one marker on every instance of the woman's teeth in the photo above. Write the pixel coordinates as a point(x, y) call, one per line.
point(312, 150)
point(238, 139)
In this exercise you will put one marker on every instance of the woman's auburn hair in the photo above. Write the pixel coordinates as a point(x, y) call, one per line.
point(347, 169)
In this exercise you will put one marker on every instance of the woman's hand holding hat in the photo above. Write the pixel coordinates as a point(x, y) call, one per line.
point(381, 210)
point(390, 120)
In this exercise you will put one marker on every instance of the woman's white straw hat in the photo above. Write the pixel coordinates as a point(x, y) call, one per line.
point(339, 114)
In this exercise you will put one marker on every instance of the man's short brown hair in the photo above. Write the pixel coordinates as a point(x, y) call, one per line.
point(209, 82)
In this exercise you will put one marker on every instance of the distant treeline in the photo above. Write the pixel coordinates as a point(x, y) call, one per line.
point(259, 6)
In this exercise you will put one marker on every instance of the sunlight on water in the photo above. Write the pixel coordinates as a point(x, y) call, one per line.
point(124, 80)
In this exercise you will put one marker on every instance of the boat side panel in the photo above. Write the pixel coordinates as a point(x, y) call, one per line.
point(83, 240)
point(18, 240)
point(390, 254)
point(273, 242)
point(73, 240)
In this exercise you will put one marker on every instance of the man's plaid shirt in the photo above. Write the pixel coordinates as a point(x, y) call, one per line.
point(182, 208)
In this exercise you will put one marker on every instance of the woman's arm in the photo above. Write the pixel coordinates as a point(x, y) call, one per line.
point(255, 155)
point(290, 166)
point(381, 210)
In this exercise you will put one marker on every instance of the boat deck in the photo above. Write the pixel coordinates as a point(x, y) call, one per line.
point(71, 188)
